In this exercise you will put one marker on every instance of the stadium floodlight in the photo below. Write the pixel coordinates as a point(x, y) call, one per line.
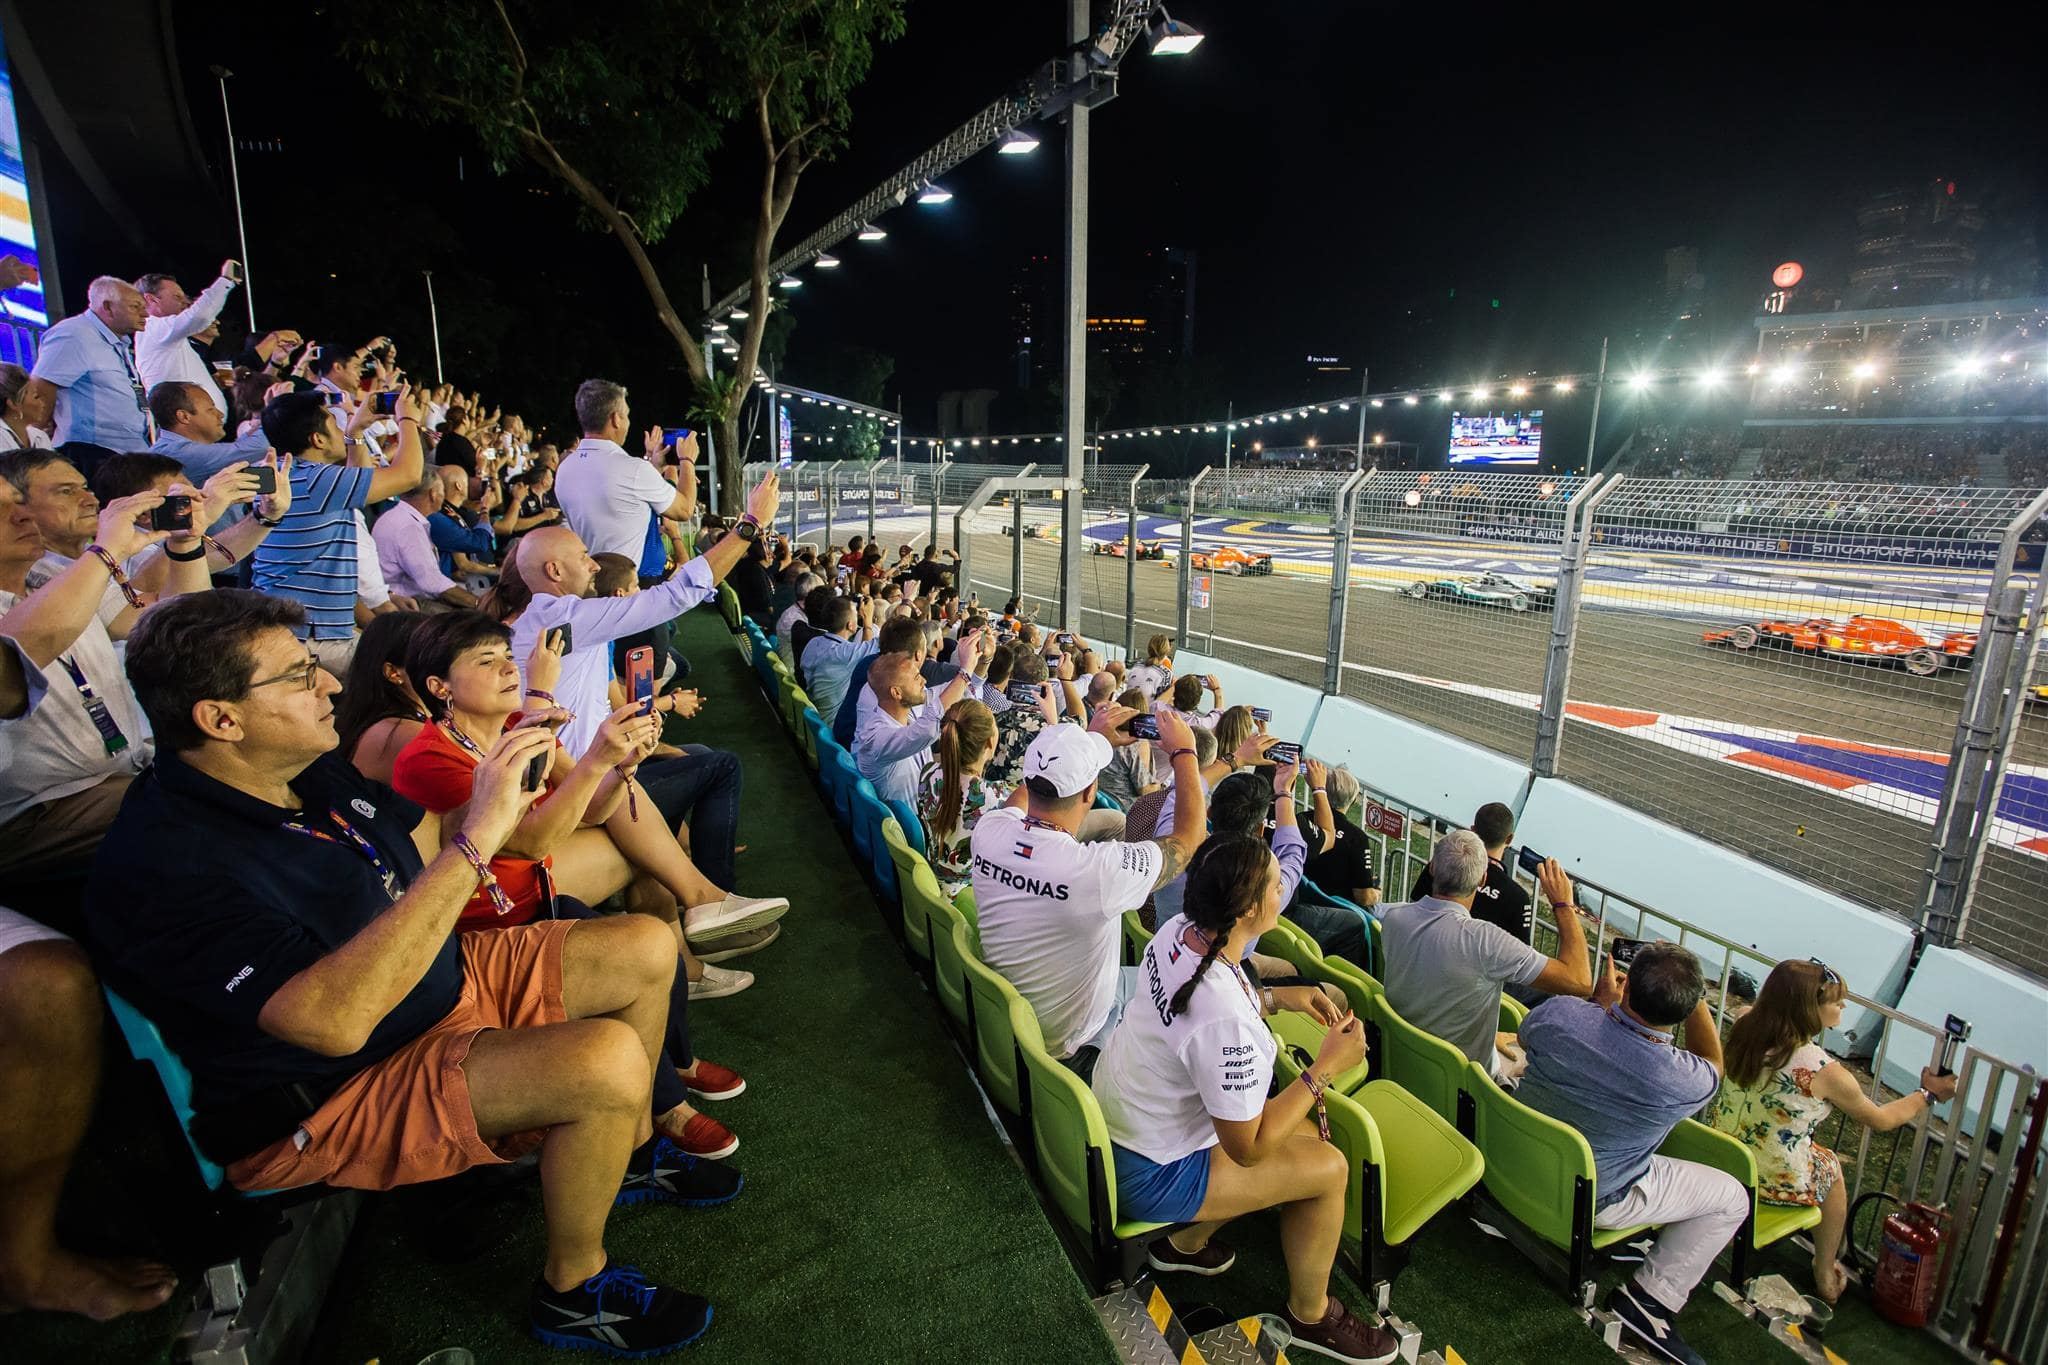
point(1784, 374)
point(1325, 410)
point(1753, 369)
point(1411, 400)
point(1258, 446)
point(1444, 397)
point(1515, 391)
point(827, 261)
point(1478, 395)
point(1017, 143)
point(789, 282)
point(1863, 369)
point(1172, 38)
point(1709, 378)
point(1379, 438)
point(1157, 432)
point(1969, 365)
point(721, 327)
point(870, 233)
point(1375, 402)
point(1302, 413)
point(738, 315)
point(1639, 380)
point(934, 193)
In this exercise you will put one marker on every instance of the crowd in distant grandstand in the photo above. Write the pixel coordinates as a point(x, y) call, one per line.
point(1689, 452)
point(1953, 455)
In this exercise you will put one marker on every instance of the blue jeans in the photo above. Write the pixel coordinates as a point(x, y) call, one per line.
point(703, 787)
point(669, 1089)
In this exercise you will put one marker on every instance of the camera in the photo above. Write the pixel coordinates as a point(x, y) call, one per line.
point(173, 514)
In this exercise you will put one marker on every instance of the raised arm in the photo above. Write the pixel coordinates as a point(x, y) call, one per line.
point(1570, 971)
point(403, 473)
point(1190, 801)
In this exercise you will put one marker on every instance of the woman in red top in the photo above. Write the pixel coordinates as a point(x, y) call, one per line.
point(566, 853)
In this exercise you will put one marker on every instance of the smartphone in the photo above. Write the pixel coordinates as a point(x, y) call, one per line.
point(1284, 753)
point(387, 402)
point(266, 480)
point(565, 634)
point(174, 513)
point(1064, 637)
point(536, 771)
point(233, 270)
point(1624, 950)
point(679, 435)
point(1529, 859)
point(640, 677)
point(1261, 715)
point(1024, 694)
point(1144, 725)
point(333, 397)
point(314, 351)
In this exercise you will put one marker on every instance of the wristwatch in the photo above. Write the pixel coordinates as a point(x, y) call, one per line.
point(747, 530)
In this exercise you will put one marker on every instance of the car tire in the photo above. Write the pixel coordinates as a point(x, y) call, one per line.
point(1922, 663)
point(1743, 637)
point(1519, 602)
point(1418, 591)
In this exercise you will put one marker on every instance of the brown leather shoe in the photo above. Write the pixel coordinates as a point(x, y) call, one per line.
point(1340, 1336)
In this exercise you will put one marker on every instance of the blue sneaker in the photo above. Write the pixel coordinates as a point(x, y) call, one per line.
point(618, 1313)
point(665, 1173)
point(1650, 1322)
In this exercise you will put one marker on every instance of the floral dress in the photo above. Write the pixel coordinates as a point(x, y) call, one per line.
point(951, 858)
point(1776, 1118)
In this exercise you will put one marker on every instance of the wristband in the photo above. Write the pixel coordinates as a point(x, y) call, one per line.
point(114, 568)
point(1176, 753)
point(547, 697)
point(1271, 1007)
point(1928, 1095)
point(267, 523)
point(1318, 791)
point(500, 902)
point(198, 552)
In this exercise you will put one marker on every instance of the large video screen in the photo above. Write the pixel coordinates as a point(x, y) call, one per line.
point(17, 237)
point(1493, 438)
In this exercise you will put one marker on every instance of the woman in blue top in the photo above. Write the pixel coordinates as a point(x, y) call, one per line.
point(1183, 1081)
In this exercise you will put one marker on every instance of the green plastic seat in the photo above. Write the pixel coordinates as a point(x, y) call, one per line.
point(1295, 1029)
point(1361, 990)
point(1423, 1064)
point(1291, 943)
point(1407, 1166)
point(1767, 1223)
point(1074, 1163)
point(921, 901)
point(729, 607)
point(964, 903)
point(1540, 1172)
point(1136, 936)
point(1512, 1013)
point(1001, 1020)
point(952, 945)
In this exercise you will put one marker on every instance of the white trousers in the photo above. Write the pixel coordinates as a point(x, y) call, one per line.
point(1697, 1210)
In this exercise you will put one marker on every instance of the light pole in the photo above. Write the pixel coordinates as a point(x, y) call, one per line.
point(433, 320)
point(1364, 387)
point(221, 74)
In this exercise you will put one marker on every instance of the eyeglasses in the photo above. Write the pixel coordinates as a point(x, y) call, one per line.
point(1828, 975)
point(307, 677)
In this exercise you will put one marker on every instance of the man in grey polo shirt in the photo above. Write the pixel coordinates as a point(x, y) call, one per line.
point(1445, 969)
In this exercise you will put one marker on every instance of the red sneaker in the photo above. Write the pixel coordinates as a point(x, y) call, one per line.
point(702, 1136)
point(712, 1081)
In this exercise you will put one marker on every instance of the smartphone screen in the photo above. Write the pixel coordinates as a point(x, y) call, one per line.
point(387, 402)
point(1285, 752)
point(1529, 859)
point(1143, 726)
point(1024, 694)
point(640, 677)
point(173, 514)
point(1624, 950)
point(1261, 714)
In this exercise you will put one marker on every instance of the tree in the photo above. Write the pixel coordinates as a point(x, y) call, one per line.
point(625, 102)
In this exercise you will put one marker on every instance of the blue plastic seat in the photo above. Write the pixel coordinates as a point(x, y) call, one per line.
point(1375, 962)
point(843, 783)
point(912, 827)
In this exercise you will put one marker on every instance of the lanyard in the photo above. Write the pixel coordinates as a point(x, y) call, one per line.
point(103, 720)
point(362, 846)
point(135, 383)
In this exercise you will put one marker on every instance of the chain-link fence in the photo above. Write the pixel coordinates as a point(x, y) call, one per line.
point(1780, 667)
point(1453, 591)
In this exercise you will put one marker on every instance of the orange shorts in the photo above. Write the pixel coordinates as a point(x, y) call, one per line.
point(407, 1119)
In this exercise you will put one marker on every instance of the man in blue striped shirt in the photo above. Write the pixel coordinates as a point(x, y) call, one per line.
point(311, 556)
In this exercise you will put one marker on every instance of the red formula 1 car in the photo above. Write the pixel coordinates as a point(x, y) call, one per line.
point(1867, 639)
point(1228, 559)
point(1118, 548)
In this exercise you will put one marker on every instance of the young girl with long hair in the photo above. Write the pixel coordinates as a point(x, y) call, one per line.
point(1183, 1082)
point(1779, 1085)
point(950, 793)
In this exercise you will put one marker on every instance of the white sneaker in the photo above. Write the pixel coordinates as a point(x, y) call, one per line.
point(731, 915)
point(720, 981)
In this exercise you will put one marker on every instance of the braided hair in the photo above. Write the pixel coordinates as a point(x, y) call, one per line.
point(1226, 882)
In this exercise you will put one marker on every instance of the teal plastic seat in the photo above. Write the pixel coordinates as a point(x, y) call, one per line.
point(913, 828)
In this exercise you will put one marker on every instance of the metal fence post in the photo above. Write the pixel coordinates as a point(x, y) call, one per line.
point(1187, 554)
point(1564, 620)
point(874, 470)
point(938, 481)
point(1131, 571)
point(828, 496)
point(1017, 536)
point(795, 491)
point(1340, 572)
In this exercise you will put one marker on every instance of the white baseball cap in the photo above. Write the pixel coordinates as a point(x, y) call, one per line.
point(1067, 756)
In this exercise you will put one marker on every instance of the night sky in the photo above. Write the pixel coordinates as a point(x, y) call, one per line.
point(1337, 166)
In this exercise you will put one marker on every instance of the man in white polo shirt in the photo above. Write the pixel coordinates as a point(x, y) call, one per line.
point(607, 495)
point(1049, 906)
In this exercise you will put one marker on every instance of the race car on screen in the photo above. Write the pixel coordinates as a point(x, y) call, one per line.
point(1485, 590)
point(1228, 559)
point(1868, 639)
point(1118, 548)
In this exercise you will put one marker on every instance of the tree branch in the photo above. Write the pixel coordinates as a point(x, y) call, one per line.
point(518, 54)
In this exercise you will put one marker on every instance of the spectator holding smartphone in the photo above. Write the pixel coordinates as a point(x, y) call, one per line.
point(1183, 1085)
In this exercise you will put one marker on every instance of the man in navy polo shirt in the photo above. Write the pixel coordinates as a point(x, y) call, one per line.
point(305, 967)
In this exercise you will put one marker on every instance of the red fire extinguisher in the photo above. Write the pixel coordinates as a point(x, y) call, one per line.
point(1911, 1246)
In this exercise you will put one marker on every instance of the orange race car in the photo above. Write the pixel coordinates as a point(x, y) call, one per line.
point(1231, 560)
point(1870, 639)
point(1118, 548)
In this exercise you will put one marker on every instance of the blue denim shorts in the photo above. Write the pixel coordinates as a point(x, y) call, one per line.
point(1147, 1192)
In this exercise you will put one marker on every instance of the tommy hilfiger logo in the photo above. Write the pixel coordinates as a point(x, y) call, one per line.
point(1023, 850)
